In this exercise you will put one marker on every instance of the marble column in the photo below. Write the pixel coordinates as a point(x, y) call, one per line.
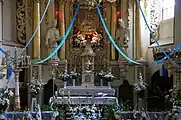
point(113, 28)
point(137, 31)
point(36, 41)
point(62, 28)
point(51, 12)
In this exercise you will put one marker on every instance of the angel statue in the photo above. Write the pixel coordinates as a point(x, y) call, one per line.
point(122, 33)
point(51, 38)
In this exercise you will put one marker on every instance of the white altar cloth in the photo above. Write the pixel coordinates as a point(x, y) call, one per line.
point(89, 100)
point(82, 91)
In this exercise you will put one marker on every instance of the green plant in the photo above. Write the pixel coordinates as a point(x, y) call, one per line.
point(45, 108)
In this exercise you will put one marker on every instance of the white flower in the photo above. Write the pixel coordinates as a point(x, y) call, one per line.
point(34, 86)
point(101, 73)
point(140, 85)
point(11, 94)
point(117, 116)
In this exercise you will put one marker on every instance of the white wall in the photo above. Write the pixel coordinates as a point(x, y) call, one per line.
point(145, 39)
point(9, 20)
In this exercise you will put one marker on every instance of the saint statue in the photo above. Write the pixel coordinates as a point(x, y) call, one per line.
point(122, 33)
point(51, 38)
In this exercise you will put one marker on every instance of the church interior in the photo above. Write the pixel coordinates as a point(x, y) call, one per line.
point(90, 60)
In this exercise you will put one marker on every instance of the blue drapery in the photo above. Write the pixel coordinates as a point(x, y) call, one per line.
point(163, 72)
point(9, 69)
point(9, 72)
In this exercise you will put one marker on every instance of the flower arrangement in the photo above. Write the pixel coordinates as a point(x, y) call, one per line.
point(141, 114)
point(35, 87)
point(101, 74)
point(175, 99)
point(108, 77)
point(74, 74)
point(5, 97)
point(85, 113)
point(140, 85)
point(53, 102)
point(64, 76)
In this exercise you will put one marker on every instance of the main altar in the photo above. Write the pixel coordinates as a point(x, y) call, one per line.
point(86, 71)
point(87, 92)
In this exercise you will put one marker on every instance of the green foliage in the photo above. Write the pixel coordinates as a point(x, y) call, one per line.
point(45, 108)
point(126, 106)
point(108, 111)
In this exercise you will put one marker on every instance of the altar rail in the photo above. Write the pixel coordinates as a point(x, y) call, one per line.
point(47, 115)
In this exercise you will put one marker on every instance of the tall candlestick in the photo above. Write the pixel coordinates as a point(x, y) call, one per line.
point(63, 97)
point(68, 97)
point(66, 65)
point(108, 65)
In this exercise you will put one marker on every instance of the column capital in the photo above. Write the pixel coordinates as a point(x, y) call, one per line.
point(62, 1)
point(37, 1)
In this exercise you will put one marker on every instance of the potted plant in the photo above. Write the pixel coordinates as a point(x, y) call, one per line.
point(109, 78)
point(64, 77)
point(34, 88)
point(74, 75)
point(101, 75)
point(5, 97)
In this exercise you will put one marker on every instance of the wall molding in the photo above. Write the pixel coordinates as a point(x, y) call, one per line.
point(11, 43)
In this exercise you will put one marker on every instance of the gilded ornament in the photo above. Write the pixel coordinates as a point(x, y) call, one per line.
point(21, 24)
point(155, 17)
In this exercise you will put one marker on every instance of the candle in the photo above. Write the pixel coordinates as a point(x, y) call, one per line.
point(28, 60)
point(22, 60)
point(8, 56)
point(62, 96)
point(68, 97)
point(92, 99)
point(65, 64)
point(175, 54)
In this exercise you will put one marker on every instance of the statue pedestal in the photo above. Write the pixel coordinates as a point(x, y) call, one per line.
point(88, 79)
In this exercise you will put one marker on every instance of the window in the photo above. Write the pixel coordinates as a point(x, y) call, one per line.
point(162, 24)
point(168, 7)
